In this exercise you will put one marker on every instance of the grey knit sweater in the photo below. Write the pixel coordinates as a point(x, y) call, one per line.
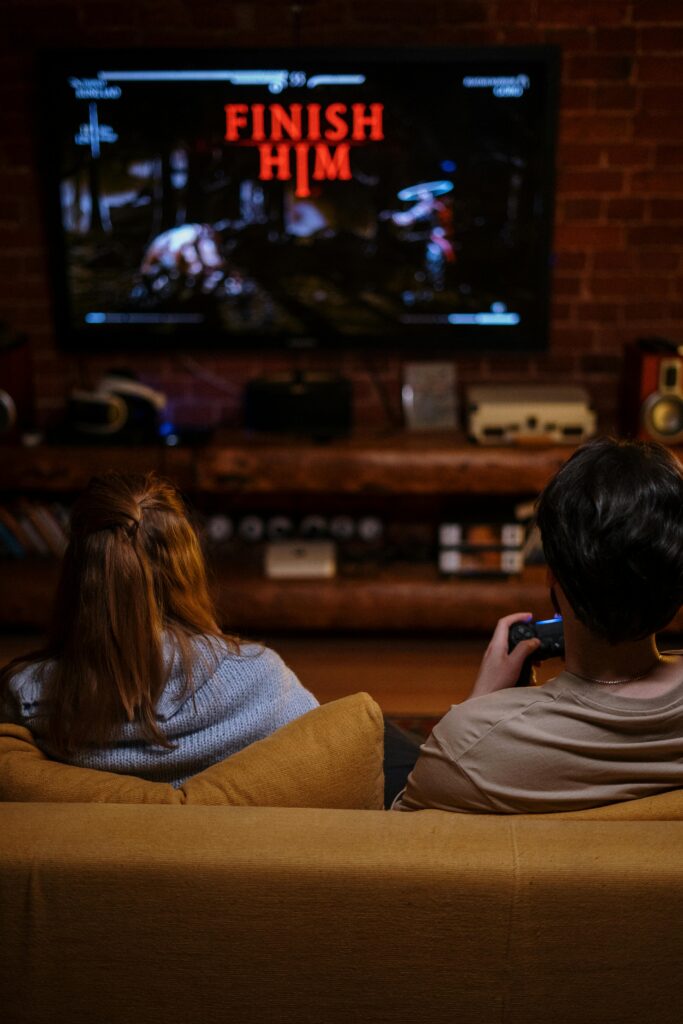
point(238, 698)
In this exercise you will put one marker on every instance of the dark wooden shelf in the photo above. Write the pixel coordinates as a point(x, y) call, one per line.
point(68, 468)
point(399, 464)
point(401, 599)
point(398, 599)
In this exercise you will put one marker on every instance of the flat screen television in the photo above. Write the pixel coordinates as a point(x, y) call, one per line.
point(296, 198)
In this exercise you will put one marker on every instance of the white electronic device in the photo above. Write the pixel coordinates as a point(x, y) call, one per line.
point(530, 413)
point(301, 560)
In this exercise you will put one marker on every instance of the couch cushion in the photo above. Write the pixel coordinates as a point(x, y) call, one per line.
point(662, 807)
point(330, 757)
point(206, 915)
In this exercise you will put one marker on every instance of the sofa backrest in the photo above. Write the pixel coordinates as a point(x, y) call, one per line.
point(129, 913)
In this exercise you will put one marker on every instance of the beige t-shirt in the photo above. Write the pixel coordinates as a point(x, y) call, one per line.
point(563, 746)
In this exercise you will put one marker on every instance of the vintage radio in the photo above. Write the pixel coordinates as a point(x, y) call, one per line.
point(532, 413)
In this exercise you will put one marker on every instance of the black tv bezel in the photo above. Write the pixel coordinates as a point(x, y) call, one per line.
point(109, 340)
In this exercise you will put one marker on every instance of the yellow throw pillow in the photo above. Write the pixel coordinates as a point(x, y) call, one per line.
point(27, 775)
point(330, 757)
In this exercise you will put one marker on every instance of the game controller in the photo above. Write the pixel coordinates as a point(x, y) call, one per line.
point(551, 635)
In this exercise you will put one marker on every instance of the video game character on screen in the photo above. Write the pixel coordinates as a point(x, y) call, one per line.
point(429, 222)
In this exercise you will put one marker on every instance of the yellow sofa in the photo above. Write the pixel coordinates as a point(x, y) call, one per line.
point(214, 910)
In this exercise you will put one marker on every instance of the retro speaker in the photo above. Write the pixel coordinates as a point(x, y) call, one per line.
point(16, 386)
point(652, 391)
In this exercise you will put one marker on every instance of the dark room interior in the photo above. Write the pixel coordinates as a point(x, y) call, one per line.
point(353, 293)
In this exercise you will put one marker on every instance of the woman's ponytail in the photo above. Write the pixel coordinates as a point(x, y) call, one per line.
point(132, 593)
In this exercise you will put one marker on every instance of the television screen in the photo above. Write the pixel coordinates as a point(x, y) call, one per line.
point(302, 198)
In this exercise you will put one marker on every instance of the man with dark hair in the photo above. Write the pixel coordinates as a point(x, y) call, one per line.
point(609, 728)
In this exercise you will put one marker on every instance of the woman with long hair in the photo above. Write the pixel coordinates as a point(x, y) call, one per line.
point(136, 676)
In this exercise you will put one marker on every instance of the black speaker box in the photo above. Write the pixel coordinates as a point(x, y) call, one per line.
point(312, 404)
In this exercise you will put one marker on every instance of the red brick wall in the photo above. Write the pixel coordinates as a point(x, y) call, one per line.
point(619, 216)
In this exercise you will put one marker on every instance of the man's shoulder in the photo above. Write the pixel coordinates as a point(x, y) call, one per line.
point(468, 723)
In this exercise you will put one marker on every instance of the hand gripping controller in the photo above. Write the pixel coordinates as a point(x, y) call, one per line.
point(551, 635)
